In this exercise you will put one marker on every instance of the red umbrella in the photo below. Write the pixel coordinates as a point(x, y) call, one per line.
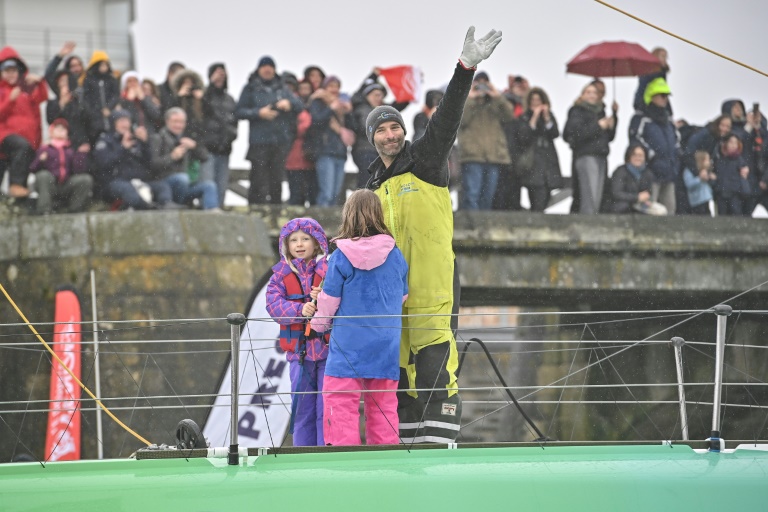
point(614, 58)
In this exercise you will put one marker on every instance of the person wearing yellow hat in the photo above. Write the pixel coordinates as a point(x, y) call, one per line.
point(101, 92)
point(657, 133)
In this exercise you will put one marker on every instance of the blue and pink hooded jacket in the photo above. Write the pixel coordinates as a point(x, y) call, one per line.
point(367, 277)
point(279, 307)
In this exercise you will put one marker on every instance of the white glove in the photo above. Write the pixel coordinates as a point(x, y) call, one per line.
point(475, 52)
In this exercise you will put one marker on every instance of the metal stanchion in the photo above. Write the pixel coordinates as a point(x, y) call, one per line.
point(722, 311)
point(678, 343)
point(235, 320)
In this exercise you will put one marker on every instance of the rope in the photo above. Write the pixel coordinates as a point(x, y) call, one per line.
point(697, 45)
point(79, 382)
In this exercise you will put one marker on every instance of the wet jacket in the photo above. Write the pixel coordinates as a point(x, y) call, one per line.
point(417, 205)
point(219, 123)
point(625, 188)
point(481, 133)
point(21, 116)
point(61, 162)
point(287, 312)
point(320, 136)
point(100, 90)
point(163, 164)
point(583, 133)
point(113, 161)
point(366, 277)
point(257, 94)
point(191, 105)
point(729, 182)
point(546, 165)
point(658, 135)
point(74, 115)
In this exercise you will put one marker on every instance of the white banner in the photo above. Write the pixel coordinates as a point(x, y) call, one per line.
point(262, 420)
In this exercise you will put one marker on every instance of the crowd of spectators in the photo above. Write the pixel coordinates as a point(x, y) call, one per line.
point(132, 144)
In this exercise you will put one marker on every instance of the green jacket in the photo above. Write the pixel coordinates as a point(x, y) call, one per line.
point(481, 135)
point(417, 205)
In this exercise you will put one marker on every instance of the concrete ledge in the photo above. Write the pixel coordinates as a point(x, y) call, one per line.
point(54, 235)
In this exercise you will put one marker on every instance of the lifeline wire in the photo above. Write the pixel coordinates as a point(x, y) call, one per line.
point(697, 45)
point(79, 382)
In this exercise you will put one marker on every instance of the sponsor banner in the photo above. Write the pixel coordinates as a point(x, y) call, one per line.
point(262, 419)
point(404, 82)
point(62, 437)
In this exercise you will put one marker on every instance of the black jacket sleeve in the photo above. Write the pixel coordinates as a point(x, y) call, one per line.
point(430, 152)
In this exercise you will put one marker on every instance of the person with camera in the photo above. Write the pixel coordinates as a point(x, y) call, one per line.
point(271, 110)
point(121, 157)
point(538, 163)
point(411, 180)
point(187, 87)
point(177, 159)
point(483, 143)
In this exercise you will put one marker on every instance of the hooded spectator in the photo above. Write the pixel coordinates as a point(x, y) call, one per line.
point(101, 93)
point(21, 94)
point(315, 76)
point(270, 109)
point(122, 159)
point(144, 112)
point(188, 89)
point(61, 177)
point(220, 128)
point(732, 188)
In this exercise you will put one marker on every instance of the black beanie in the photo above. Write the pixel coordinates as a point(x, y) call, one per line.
point(380, 115)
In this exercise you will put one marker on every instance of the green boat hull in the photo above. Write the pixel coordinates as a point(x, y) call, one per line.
point(520, 478)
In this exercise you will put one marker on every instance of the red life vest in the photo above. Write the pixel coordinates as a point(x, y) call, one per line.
point(292, 336)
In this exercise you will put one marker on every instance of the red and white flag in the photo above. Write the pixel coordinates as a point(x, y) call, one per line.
point(62, 437)
point(404, 82)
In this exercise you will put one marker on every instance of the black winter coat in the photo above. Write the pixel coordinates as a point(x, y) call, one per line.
point(625, 189)
point(546, 165)
point(219, 123)
point(583, 133)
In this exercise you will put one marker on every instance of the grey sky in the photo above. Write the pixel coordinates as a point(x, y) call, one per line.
point(347, 38)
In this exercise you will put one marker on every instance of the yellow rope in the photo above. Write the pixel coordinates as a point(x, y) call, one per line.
point(683, 39)
point(32, 328)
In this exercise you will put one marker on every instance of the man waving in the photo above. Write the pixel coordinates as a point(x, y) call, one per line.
point(411, 179)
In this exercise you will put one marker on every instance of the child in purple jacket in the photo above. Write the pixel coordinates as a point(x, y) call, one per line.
point(293, 287)
point(61, 177)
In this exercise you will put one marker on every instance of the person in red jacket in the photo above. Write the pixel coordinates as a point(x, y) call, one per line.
point(21, 94)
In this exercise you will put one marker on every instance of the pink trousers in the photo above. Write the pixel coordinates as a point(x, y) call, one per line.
point(341, 411)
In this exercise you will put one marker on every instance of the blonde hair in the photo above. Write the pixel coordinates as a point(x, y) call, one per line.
point(701, 156)
point(362, 216)
point(287, 253)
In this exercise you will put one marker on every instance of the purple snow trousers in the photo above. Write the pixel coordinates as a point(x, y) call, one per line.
point(308, 423)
